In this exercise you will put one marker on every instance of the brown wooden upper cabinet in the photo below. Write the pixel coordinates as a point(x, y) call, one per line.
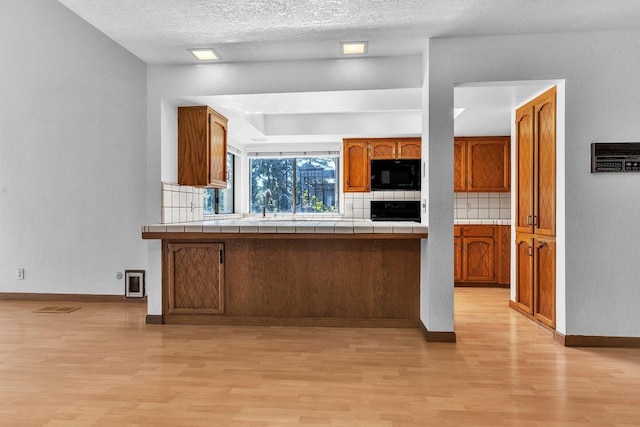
point(357, 170)
point(358, 152)
point(481, 164)
point(405, 148)
point(202, 147)
point(536, 166)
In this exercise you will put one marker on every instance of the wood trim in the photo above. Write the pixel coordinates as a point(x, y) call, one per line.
point(584, 340)
point(480, 285)
point(559, 338)
point(154, 319)
point(17, 296)
point(448, 337)
point(600, 341)
point(522, 310)
point(197, 319)
point(215, 237)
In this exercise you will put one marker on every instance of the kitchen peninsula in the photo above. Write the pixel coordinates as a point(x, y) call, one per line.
point(264, 271)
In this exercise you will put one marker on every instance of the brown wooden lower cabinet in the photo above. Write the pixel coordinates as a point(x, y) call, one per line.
point(195, 278)
point(481, 255)
point(274, 280)
point(536, 277)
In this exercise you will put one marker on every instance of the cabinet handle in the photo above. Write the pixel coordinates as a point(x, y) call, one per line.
point(400, 152)
point(529, 220)
point(541, 244)
point(529, 250)
point(535, 220)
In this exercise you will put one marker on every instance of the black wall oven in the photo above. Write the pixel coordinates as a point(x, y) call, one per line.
point(395, 174)
point(395, 210)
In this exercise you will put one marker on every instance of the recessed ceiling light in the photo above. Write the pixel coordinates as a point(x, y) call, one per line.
point(207, 54)
point(353, 48)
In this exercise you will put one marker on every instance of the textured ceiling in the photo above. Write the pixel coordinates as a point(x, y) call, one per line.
point(161, 31)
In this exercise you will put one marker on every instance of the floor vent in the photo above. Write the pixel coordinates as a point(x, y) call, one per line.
point(57, 309)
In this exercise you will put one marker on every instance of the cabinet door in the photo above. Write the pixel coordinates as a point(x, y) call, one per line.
point(545, 187)
point(524, 273)
point(357, 172)
point(202, 147)
point(524, 169)
point(503, 261)
point(545, 282)
point(410, 148)
point(459, 165)
point(195, 276)
point(383, 149)
point(488, 165)
point(478, 259)
point(217, 150)
point(193, 150)
point(457, 259)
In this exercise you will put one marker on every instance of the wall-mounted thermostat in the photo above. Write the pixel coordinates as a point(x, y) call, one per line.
point(615, 157)
point(134, 283)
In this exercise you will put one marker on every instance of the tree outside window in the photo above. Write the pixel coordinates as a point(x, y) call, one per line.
point(294, 185)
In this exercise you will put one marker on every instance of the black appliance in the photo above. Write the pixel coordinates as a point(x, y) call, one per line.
point(615, 157)
point(395, 174)
point(395, 210)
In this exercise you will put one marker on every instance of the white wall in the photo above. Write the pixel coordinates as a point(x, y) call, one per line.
point(600, 69)
point(72, 153)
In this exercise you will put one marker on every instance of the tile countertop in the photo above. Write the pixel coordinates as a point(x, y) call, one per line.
point(268, 225)
point(482, 221)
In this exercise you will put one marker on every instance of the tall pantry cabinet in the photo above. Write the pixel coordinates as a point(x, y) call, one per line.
point(536, 208)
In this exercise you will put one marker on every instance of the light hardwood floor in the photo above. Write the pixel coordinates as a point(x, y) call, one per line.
point(101, 365)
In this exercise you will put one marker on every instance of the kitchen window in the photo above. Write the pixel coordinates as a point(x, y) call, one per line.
point(221, 200)
point(302, 184)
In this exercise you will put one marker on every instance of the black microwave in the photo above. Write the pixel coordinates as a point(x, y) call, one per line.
point(395, 174)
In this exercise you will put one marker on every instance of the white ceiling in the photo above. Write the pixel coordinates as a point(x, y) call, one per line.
point(161, 31)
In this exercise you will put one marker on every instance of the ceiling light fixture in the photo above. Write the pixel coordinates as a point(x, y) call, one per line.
point(205, 54)
point(354, 48)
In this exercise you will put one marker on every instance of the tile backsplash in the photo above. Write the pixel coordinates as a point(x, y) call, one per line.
point(358, 205)
point(181, 203)
point(482, 206)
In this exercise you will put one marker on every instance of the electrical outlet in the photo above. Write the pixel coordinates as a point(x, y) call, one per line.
point(468, 207)
point(349, 207)
point(20, 274)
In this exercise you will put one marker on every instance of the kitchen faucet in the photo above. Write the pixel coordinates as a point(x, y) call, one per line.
point(266, 199)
